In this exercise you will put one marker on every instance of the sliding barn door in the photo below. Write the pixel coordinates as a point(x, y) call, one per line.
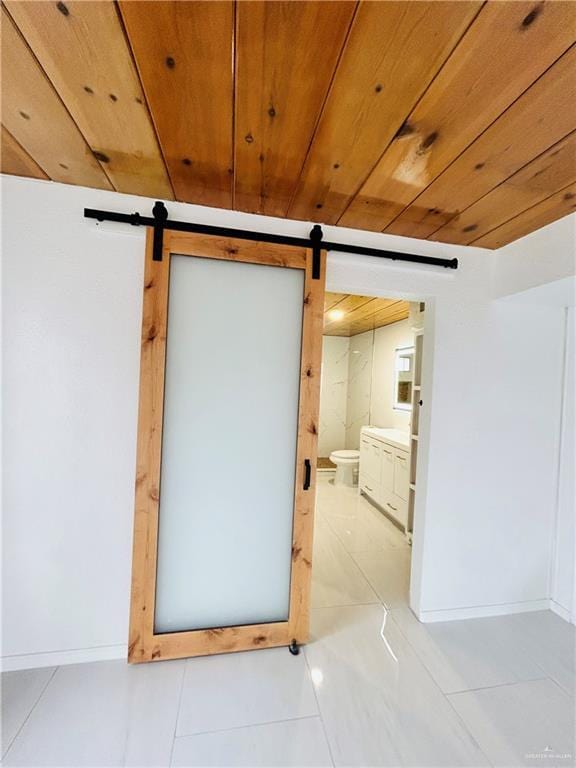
point(225, 486)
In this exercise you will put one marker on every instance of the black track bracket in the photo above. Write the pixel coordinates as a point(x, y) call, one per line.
point(160, 217)
point(316, 238)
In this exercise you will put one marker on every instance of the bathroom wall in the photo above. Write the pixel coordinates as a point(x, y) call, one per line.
point(345, 391)
point(333, 397)
point(386, 341)
point(359, 386)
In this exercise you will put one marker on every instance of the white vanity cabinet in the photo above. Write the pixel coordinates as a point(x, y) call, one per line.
point(370, 472)
point(384, 470)
point(401, 474)
point(387, 467)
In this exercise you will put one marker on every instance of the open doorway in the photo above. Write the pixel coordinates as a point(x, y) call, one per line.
point(371, 394)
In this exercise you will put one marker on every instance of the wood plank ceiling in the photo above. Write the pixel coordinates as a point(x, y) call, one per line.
point(347, 315)
point(448, 121)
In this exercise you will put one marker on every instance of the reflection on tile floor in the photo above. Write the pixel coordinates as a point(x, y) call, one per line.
point(373, 687)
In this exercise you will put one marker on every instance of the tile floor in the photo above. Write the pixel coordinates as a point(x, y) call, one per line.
point(373, 688)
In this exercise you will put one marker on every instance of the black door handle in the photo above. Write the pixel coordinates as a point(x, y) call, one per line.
point(307, 472)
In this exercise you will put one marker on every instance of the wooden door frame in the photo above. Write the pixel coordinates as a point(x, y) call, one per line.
point(143, 643)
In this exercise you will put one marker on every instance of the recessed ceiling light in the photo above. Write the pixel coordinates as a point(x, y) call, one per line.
point(336, 314)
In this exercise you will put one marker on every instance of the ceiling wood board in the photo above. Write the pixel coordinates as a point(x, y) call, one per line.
point(184, 53)
point(549, 173)
point(351, 303)
point(15, 160)
point(507, 48)
point(361, 313)
point(36, 118)
point(331, 299)
point(362, 318)
point(396, 310)
point(505, 147)
point(393, 52)
point(286, 54)
point(411, 117)
point(366, 310)
point(380, 321)
point(554, 207)
point(371, 324)
point(82, 48)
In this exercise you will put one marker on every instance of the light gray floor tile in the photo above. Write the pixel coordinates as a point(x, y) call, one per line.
point(20, 692)
point(336, 579)
point(552, 643)
point(103, 714)
point(475, 653)
point(366, 529)
point(378, 687)
point(289, 743)
point(153, 701)
point(331, 498)
point(239, 689)
point(378, 703)
point(524, 724)
point(388, 572)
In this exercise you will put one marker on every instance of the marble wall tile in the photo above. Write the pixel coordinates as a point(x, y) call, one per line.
point(333, 397)
point(359, 386)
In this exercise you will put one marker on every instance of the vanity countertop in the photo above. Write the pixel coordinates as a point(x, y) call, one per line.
point(394, 437)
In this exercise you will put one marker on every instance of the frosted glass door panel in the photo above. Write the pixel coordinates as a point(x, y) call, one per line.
point(229, 444)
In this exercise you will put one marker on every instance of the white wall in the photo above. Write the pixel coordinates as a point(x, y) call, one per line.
point(72, 294)
point(496, 521)
point(333, 395)
point(486, 486)
point(539, 271)
point(564, 566)
point(545, 256)
point(386, 340)
point(72, 313)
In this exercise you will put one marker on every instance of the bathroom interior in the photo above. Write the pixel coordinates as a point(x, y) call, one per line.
point(367, 449)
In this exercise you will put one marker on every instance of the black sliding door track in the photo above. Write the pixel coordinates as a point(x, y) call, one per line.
point(160, 221)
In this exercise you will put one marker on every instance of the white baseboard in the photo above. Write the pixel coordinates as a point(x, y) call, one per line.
point(564, 613)
point(58, 658)
point(483, 611)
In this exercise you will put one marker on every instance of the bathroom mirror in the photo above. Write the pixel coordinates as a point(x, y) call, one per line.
point(403, 378)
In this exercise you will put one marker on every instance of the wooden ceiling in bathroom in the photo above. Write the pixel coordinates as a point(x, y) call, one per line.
point(357, 314)
point(449, 121)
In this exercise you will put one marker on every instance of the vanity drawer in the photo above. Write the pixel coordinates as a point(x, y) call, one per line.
point(401, 474)
point(395, 507)
point(367, 485)
point(387, 464)
point(370, 459)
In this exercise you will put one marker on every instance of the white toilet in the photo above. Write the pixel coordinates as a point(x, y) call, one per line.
point(346, 467)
